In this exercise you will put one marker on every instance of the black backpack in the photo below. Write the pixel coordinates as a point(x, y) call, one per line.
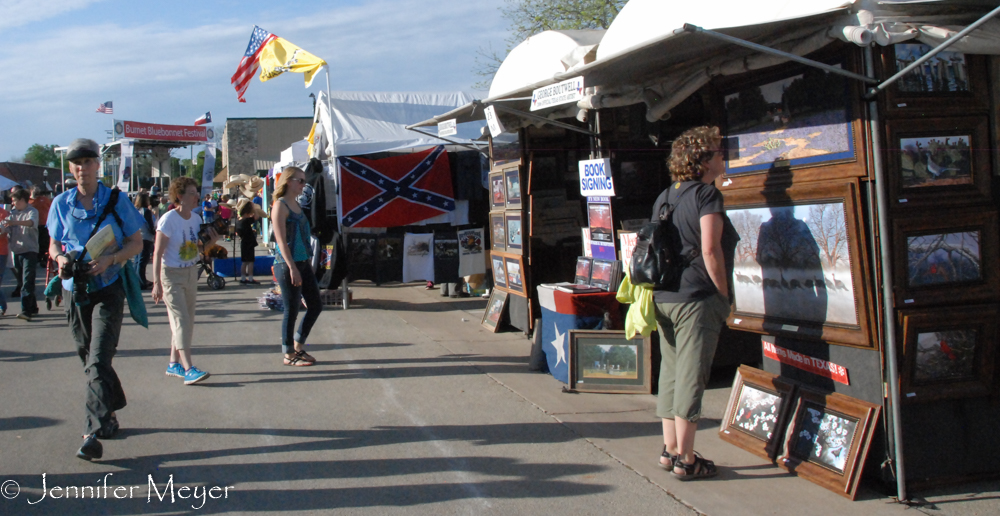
point(657, 262)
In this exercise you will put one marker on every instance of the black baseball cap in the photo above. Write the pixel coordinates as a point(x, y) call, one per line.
point(83, 148)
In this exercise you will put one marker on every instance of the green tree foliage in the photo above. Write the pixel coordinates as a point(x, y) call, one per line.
point(43, 156)
point(622, 357)
point(591, 354)
point(529, 17)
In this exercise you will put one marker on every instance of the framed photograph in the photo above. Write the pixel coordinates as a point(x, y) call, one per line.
point(605, 361)
point(798, 118)
point(757, 412)
point(499, 271)
point(515, 274)
point(948, 353)
point(936, 162)
point(827, 440)
point(498, 231)
point(498, 196)
point(941, 259)
point(505, 149)
point(949, 82)
point(801, 264)
point(494, 310)
point(583, 268)
point(512, 186)
point(512, 220)
point(599, 216)
point(600, 274)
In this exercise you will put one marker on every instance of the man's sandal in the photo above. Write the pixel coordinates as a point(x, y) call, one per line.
point(297, 361)
point(671, 459)
point(702, 468)
point(306, 357)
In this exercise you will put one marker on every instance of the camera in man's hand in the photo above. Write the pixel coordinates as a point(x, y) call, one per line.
point(79, 271)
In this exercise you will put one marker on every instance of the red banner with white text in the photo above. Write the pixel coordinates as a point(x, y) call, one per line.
point(806, 363)
point(173, 133)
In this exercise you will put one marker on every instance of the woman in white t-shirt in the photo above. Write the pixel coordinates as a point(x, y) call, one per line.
point(176, 277)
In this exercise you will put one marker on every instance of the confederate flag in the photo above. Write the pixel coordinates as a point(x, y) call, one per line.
point(395, 191)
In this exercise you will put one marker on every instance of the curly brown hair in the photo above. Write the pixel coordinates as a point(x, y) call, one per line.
point(178, 186)
point(691, 152)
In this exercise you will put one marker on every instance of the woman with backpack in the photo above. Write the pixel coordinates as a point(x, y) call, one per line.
point(691, 317)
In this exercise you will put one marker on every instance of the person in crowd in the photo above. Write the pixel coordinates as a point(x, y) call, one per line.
point(248, 242)
point(292, 268)
point(40, 201)
point(148, 237)
point(23, 228)
point(691, 317)
point(207, 209)
point(94, 285)
point(175, 278)
point(4, 252)
point(259, 201)
point(226, 212)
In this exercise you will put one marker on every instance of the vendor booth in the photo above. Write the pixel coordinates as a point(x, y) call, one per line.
point(861, 177)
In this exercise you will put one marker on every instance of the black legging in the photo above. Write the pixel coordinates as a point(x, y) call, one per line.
point(144, 259)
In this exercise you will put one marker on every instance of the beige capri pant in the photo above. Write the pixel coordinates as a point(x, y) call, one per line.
point(180, 291)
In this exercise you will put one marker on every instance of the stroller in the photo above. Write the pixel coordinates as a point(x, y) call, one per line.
point(204, 264)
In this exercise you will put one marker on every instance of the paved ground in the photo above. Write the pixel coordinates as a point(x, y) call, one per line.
point(414, 407)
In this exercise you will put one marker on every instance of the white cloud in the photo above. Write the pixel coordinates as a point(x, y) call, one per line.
point(22, 12)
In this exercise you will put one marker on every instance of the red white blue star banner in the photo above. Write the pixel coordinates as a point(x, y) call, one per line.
point(395, 191)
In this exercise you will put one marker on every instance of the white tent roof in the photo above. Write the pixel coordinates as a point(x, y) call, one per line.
point(543, 55)
point(370, 122)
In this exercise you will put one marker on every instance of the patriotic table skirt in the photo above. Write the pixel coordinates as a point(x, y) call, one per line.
point(562, 312)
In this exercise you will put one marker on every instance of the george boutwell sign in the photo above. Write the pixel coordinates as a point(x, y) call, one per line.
point(570, 90)
point(173, 133)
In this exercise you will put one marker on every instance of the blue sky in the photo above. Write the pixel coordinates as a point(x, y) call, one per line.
point(170, 62)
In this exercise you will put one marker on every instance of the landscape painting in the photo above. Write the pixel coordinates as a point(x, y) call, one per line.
point(945, 355)
point(935, 161)
point(793, 262)
point(605, 362)
point(804, 119)
point(943, 258)
point(945, 72)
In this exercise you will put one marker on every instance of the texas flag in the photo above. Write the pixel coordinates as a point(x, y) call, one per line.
point(205, 119)
point(395, 191)
point(562, 312)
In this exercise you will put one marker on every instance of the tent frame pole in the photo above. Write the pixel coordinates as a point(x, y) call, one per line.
point(453, 142)
point(537, 118)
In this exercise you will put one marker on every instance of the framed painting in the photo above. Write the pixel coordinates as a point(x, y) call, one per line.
point(757, 412)
point(947, 83)
point(499, 271)
point(827, 440)
point(949, 353)
point(600, 274)
point(498, 231)
point(498, 196)
point(937, 162)
point(942, 259)
point(512, 222)
point(801, 267)
point(584, 265)
point(494, 310)
point(505, 149)
point(515, 274)
point(512, 187)
point(796, 118)
point(605, 361)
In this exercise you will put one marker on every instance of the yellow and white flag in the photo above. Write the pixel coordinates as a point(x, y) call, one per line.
point(279, 56)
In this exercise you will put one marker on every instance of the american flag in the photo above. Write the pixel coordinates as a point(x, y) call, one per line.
point(105, 108)
point(249, 63)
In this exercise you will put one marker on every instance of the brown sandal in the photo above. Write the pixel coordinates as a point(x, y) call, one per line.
point(297, 361)
point(670, 458)
point(305, 357)
point(702, 468)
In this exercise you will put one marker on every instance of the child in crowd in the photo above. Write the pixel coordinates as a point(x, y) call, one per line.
point(248, 242)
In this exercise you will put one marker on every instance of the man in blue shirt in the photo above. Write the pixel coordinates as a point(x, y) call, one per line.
point(95, 319)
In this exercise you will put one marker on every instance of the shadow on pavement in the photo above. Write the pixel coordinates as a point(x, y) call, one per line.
point(26, 423)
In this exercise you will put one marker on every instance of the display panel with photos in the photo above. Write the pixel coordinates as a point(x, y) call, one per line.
point(800, 263)
point(938, 162)
point(949, 81)
point(515, 274)
point(607, 362)
point(584, 266)
point(512, 187)
point(499, 271)
point(498, 231)
point(757, 412)
point(941, 259)
point(827, 439)
point(801, 118)
point(949, 353)
point(498, 195)
point(494, 310)
point(512, 220)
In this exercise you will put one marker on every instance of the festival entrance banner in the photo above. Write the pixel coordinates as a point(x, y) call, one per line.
point(171, 133)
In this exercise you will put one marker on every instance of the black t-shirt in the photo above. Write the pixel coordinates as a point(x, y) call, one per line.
point(244, 229)
point(705, 199)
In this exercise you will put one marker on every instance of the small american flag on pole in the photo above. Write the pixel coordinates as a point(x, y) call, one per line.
point(106, 108)
point(250, 62)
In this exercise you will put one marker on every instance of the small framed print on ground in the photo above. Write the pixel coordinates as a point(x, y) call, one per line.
point(946, 257)
point(515, 274)
point(606, 362)
point(949, 353)
point(494, 310)
point(827, 440)
point(757, 412)
point(498, 231)
point(499, 271)
point(938, 162)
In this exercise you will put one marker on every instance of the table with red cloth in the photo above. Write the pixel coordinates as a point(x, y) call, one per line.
point(562, 312)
